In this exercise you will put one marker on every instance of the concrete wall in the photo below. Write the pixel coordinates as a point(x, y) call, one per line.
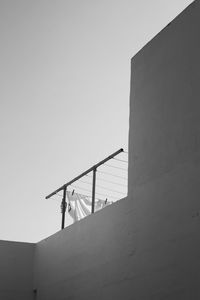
point(146, 246)
point(16, 270)
point(90, 259)
point(164, 159)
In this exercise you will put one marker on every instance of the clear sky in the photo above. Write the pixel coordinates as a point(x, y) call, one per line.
point(65, 74)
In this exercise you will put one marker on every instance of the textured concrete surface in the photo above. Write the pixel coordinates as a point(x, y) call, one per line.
point(16, 270)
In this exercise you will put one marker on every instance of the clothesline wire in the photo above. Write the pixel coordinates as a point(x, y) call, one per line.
point(97, 185)
point(125, 161)
point(107, 196)
point(112, 175)
point(125, 152)
point(114, 167)
point(100, 186)
point(59, 195)
point(117, 183)
point(96, 193)
point(85, 182)
point(108, 174)
point(90, 196)
point(84, 189)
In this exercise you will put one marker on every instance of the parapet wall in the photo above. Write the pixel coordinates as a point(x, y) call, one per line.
point(16, 270)
point(90, 259)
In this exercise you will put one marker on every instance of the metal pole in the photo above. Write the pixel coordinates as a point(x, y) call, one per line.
point(63, 206)
point(93, 189)
point(85, 173)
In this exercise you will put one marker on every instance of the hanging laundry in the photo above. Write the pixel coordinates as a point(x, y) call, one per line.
point(79, 205)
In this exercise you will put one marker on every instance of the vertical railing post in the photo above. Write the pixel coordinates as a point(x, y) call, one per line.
point(93, 189)
point(63, 207)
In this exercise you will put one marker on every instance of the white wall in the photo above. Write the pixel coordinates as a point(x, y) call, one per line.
point(146, 246)
point(16, 270)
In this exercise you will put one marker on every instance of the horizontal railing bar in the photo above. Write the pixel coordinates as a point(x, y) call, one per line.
point(84, 173)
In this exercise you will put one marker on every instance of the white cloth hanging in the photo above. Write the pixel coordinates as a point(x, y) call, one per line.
point(79, 205)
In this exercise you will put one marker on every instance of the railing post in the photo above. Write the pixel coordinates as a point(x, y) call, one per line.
point(63, 207)
point(93, 189)
point(64, 187)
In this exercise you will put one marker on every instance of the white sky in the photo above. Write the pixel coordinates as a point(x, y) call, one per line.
point(65, 74)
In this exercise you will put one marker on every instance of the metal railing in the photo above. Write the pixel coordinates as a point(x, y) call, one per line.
point(93, 169)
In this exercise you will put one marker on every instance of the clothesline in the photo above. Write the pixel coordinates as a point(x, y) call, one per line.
point(79, 205)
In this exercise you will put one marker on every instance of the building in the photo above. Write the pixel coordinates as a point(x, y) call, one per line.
point(146, 246)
